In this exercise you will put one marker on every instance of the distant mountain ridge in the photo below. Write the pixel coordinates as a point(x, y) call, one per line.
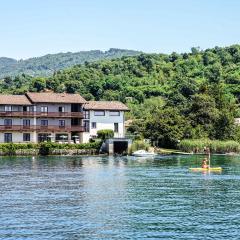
point(50, 63)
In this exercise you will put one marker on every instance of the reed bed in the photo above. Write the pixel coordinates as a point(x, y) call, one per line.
point(215, 146)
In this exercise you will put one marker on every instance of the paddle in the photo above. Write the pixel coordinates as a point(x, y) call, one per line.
point(209, 160)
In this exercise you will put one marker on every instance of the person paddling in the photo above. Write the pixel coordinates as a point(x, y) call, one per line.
point(204, 163)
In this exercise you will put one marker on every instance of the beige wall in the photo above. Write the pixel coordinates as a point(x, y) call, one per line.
point(16, 121)
point(54, 121)
point(17, 137)
point(53, 107)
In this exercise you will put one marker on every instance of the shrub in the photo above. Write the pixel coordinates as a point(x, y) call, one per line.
point(105, 133)
point(46, 148)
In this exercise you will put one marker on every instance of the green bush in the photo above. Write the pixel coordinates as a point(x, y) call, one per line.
point(105, 133)
point(215, 146)
point(45, 148)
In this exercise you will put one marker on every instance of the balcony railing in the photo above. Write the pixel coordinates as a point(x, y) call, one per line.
point(39, 128)
point(42, 114)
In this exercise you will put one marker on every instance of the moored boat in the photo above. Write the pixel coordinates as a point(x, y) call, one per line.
point(143, 153)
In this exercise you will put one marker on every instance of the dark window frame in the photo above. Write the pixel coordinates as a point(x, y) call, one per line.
point(60, 123)
point(44, 121)
point(96, 113)
point(93, 125)
point(26, 122)
point(7, 137)
point(115, 115)
point(86, 126)
point(61, 109)
point(7, 122)
point(116, 127)
point(26, 137)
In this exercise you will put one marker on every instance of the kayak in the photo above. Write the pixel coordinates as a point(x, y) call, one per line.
point(206, 169)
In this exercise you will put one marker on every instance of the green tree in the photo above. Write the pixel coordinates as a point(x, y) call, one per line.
point(166, 127)
point(38, 84)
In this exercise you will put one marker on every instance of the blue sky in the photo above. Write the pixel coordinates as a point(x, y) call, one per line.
point(36, 27)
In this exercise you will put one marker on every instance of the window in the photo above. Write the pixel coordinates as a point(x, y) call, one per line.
point(86, 126)
point(44, 109)
point(26, 137)
point(116, 127)
point(61, 109)
point(114, 113)
point(61, 123)
point(26, 122)
point(94, 125)
point(7, 137)
point(61, 137)
point(8, 108)
point(44, 137)
point(44, 122)
point(99, 113)
point(26, 109)
point(8, 122)
point(86, 114)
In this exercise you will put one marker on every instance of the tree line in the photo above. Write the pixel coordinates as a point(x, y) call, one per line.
point(170, 96)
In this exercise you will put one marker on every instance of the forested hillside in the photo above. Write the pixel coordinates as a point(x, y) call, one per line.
point(48, 64)
point(171, 97)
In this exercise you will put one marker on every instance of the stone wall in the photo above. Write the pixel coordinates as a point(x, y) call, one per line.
point(35, 152)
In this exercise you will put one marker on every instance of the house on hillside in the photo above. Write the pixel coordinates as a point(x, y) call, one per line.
point(59, 117)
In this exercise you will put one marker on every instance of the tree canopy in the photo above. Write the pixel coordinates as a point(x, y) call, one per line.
point(171, 96)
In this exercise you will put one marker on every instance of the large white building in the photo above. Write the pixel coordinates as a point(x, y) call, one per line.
point(101, 115)
point(59, 117)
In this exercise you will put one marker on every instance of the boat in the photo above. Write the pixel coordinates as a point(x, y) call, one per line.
point(213, 169)
point(143, 153)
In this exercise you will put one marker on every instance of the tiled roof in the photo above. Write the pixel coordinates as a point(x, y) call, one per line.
point(14, 100)
point(49, 97)
point(105, 105)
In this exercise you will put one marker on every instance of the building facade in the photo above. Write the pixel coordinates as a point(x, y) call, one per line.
point(59, 117)
point(100, 115)
point(37, 117)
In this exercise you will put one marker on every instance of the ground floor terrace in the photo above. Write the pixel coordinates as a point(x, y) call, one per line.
point(36, 137)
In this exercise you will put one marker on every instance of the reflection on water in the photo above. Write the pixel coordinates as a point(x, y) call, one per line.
point(118, 198)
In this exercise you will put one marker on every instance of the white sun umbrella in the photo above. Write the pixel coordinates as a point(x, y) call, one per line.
point(63, 136)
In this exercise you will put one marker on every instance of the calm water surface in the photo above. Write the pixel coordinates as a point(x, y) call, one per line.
point(118, 198)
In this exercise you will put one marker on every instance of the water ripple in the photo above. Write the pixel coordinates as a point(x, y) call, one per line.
point(118, 198)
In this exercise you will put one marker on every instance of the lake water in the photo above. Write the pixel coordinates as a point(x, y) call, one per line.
point(118, 198)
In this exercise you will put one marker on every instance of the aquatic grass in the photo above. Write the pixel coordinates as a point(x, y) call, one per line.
point(216, 146)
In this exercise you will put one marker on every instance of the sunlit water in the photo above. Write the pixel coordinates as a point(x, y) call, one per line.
point(118, 198)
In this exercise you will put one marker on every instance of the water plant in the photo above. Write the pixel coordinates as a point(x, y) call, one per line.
point(216, 146)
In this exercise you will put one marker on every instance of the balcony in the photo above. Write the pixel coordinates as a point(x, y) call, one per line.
point(42, 114)
point(39, 128)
